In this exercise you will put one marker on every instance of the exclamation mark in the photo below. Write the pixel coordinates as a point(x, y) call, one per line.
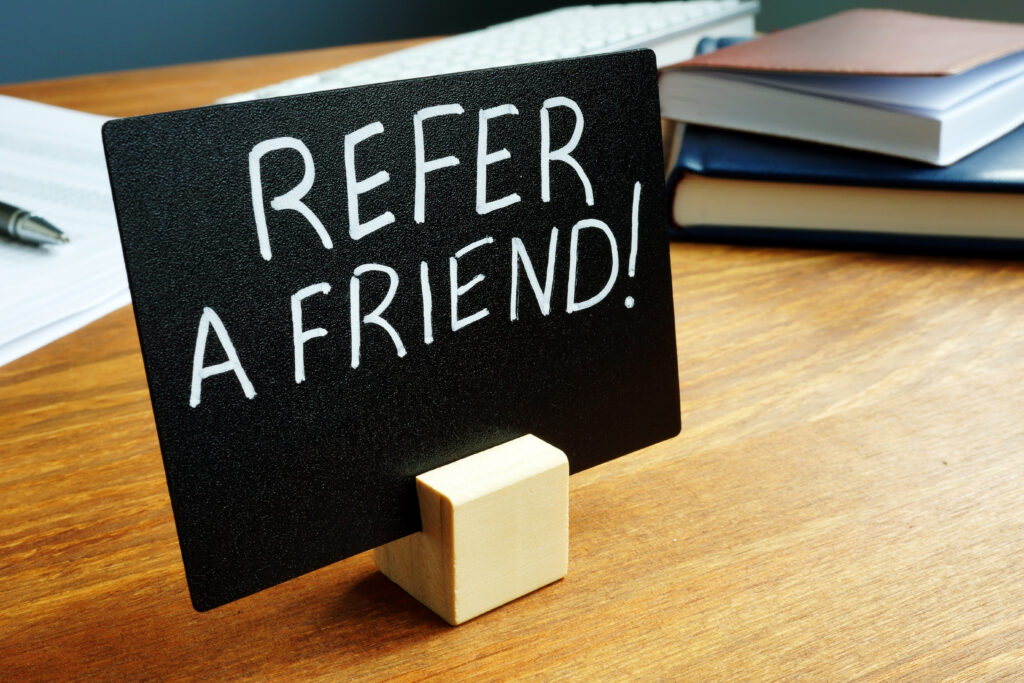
point(633, 238)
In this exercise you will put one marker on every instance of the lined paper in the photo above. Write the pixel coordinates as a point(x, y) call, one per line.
point(52, 164)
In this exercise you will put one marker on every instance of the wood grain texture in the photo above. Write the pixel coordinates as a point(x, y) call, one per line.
point(844, 500)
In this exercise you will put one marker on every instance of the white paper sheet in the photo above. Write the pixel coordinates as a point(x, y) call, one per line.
point(52, 164)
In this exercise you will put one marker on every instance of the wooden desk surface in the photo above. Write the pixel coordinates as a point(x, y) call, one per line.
point(846, 498)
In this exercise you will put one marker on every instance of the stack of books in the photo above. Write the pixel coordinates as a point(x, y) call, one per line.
point(869, 127)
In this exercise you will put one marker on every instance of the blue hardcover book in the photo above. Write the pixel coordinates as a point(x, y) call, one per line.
point(731, 186)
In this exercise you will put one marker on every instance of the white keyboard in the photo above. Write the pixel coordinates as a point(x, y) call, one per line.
point(671, 29)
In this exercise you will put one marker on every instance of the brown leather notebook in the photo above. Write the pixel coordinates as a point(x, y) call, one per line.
point(872, 42)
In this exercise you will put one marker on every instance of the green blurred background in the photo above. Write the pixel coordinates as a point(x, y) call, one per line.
point(781, 13)
point(55, 38)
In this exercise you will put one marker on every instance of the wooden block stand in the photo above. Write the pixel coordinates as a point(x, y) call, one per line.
point(495, 527)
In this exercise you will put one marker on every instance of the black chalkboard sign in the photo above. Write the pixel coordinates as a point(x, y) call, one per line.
point(338, 291)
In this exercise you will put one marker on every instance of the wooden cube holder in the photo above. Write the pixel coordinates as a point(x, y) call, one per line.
point(495, 527)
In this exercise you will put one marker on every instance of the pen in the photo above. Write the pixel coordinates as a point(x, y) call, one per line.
point(26, 227)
